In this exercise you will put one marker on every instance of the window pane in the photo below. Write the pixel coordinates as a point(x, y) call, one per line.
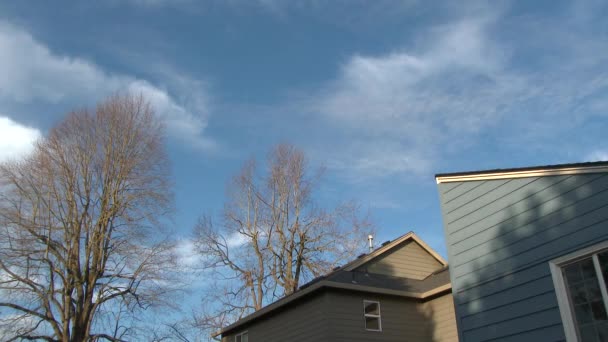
point(245, 337)
point(372, 323)
point(588, 334)
point(237, 338)
point(593, 290)
point(599, 310)
point(583, 313)
point(586, 298)
point(603, 331)
point(578, 293)
point(371, 308)
point(573, 273)
point(588, 269)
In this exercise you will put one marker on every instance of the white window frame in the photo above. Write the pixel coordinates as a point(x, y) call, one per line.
point(242, 333)
point(565, 307)
point(378, 316)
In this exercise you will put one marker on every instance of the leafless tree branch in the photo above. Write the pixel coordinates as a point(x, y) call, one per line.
point(79, 221)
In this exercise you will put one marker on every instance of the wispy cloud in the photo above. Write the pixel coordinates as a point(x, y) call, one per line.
point(186, 253)
point(403, 112)
point(189, 257)
point(47, 77)
point(16, 139)
point(236, 239)
point(402, 106)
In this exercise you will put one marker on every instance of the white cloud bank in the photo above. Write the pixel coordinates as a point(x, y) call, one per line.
point(16, 140)
point(32, 73)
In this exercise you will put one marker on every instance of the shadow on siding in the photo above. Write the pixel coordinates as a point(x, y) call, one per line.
point(501, 264)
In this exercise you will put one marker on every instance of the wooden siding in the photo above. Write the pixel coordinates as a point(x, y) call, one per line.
point(408, 260)
point(501, 234)
point(304, 321)
point(402, 319)
point(441, 317)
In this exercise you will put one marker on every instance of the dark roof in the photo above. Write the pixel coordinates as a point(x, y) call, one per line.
point(529, 168)
point(439, 278)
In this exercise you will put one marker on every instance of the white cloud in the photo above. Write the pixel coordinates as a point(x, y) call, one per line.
point(186, 253)
point(16, 140)
point(188, 257)
point(236, 239)
point(44, 76)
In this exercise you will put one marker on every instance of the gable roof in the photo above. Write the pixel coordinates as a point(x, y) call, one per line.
point(534, 171)
point(346, 279)
point(385, 248)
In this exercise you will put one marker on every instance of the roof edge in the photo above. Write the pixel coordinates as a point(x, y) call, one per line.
point(380, 290)
point(535, 171)
point(269, 308)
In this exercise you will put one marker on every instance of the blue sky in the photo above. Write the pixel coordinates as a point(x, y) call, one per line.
point(384, 94)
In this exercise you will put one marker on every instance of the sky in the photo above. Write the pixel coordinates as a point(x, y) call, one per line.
point(382, 94)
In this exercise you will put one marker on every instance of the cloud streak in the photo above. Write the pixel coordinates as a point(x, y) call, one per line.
point(47, 77)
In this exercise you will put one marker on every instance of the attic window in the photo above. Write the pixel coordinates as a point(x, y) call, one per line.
point(241, 337)
point(371, 313)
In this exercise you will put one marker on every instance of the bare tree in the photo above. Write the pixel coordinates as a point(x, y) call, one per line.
point(273, 236)
point(79, 220)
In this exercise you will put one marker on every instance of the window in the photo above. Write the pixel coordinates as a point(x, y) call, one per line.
point(580, 282)
point(371, 313)
point(242, 337)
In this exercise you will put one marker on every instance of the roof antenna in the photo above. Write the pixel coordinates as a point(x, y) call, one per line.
point(370, 238)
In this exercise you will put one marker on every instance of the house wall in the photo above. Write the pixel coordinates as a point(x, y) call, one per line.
point(304, 320)
point(409, 260)
point(402, 319)
point(440, 313)
point(501, 234)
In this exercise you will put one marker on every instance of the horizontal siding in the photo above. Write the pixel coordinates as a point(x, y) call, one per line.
point(524, 308)
point(519, 209)
point(409, 260)
point(462, 188)
point(522, 324)
point(304, 321)
point(442, 318)
point(402, 319)
point(501, 234)
point(502, 292)
point(593, 211)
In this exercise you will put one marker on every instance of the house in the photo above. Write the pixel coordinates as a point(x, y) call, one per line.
point(528, 251)
point(398, 292)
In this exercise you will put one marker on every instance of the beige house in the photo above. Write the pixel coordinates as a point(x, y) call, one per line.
point(399, 292)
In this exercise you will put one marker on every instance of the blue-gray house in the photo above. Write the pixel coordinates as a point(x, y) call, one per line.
point(528, 250)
